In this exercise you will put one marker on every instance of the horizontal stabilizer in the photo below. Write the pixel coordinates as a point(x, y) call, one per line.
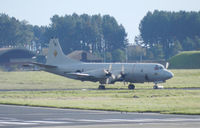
point(43, 65)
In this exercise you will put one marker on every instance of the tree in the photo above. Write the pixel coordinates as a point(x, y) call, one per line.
point(14, 32)
point(114, 34)
point(135, 52)
point(197, 43)
point(94, 33)
point(175, 48)
point(118, 56)
point(188, 44)
point(163, 29)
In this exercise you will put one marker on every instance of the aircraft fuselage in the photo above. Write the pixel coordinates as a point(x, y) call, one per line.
point(135, 72)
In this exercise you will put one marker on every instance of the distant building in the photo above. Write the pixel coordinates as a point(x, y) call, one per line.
point(84, 56)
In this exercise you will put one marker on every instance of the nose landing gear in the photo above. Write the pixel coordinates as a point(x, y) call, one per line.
point(156, 86)
point(101, 87)
point(131, 86)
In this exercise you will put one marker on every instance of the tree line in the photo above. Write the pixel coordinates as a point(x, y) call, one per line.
point(98, 34)
point(164, 33)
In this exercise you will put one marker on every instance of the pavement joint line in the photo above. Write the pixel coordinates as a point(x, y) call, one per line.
point(17, 123)
point(47, 122)
point(131, 120)
point(98, 121)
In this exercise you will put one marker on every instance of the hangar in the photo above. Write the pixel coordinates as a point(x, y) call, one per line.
point(12, 56)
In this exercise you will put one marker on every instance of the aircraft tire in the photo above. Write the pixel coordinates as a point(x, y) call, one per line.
point(101, 87)
point(131, 86)
point(155, 87)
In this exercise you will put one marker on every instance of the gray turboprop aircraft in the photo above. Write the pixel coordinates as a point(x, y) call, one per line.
point(105, 73)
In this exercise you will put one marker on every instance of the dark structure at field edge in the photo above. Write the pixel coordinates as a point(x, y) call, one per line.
point(14, 57)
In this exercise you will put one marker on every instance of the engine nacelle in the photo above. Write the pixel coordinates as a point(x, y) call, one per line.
point(100, 73)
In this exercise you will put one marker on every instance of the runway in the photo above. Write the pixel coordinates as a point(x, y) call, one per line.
point(83, 89)
point(23, 116)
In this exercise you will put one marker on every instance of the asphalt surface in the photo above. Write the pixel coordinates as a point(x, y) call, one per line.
point(70, 89)
point(23, 117)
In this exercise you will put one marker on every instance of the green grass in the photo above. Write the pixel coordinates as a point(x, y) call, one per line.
point(187, 78)
point(185, 60)
point(163, 101)
point(39, 80)
point(143, 99)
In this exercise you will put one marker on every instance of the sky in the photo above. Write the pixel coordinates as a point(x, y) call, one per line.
point(129, 13)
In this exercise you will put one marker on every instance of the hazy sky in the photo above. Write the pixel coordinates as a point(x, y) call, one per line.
point(127, 12)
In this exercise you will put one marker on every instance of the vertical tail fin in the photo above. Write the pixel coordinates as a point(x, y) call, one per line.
point(56, 56)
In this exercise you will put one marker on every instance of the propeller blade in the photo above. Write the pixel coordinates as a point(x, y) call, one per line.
point(122, 69)
point(107, 80)
point(110, 68)
point(167, 65)
point(122, 73)
point(105, 71)
point(108, 71)
point(113, 76)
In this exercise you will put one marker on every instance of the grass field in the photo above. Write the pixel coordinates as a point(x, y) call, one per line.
point(119, 98)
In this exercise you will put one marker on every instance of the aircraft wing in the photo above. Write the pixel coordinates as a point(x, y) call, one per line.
point(96, 75)
point(79, 74)
point(82, 76)
point(40, 65)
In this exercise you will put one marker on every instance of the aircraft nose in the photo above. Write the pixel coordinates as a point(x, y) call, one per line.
point(169, 74)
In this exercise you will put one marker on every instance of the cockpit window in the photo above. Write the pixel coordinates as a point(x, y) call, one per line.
point(158, 67)
point(161, 67)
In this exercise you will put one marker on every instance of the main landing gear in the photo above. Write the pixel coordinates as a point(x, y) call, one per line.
point(101, 87)
point(131, 86)
point(156, 86)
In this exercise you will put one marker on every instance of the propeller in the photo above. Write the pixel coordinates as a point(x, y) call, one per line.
point(108, 71)
point(109, 74)
point(121, 75)
point(122, 72)
point(115, 75)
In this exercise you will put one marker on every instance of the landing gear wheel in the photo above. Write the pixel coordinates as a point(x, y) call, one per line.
point(155, 86)
point(101, 87)
point(158, 87)
point(131, 86)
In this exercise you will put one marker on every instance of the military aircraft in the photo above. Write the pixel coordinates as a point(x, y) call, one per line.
point(104, 73)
